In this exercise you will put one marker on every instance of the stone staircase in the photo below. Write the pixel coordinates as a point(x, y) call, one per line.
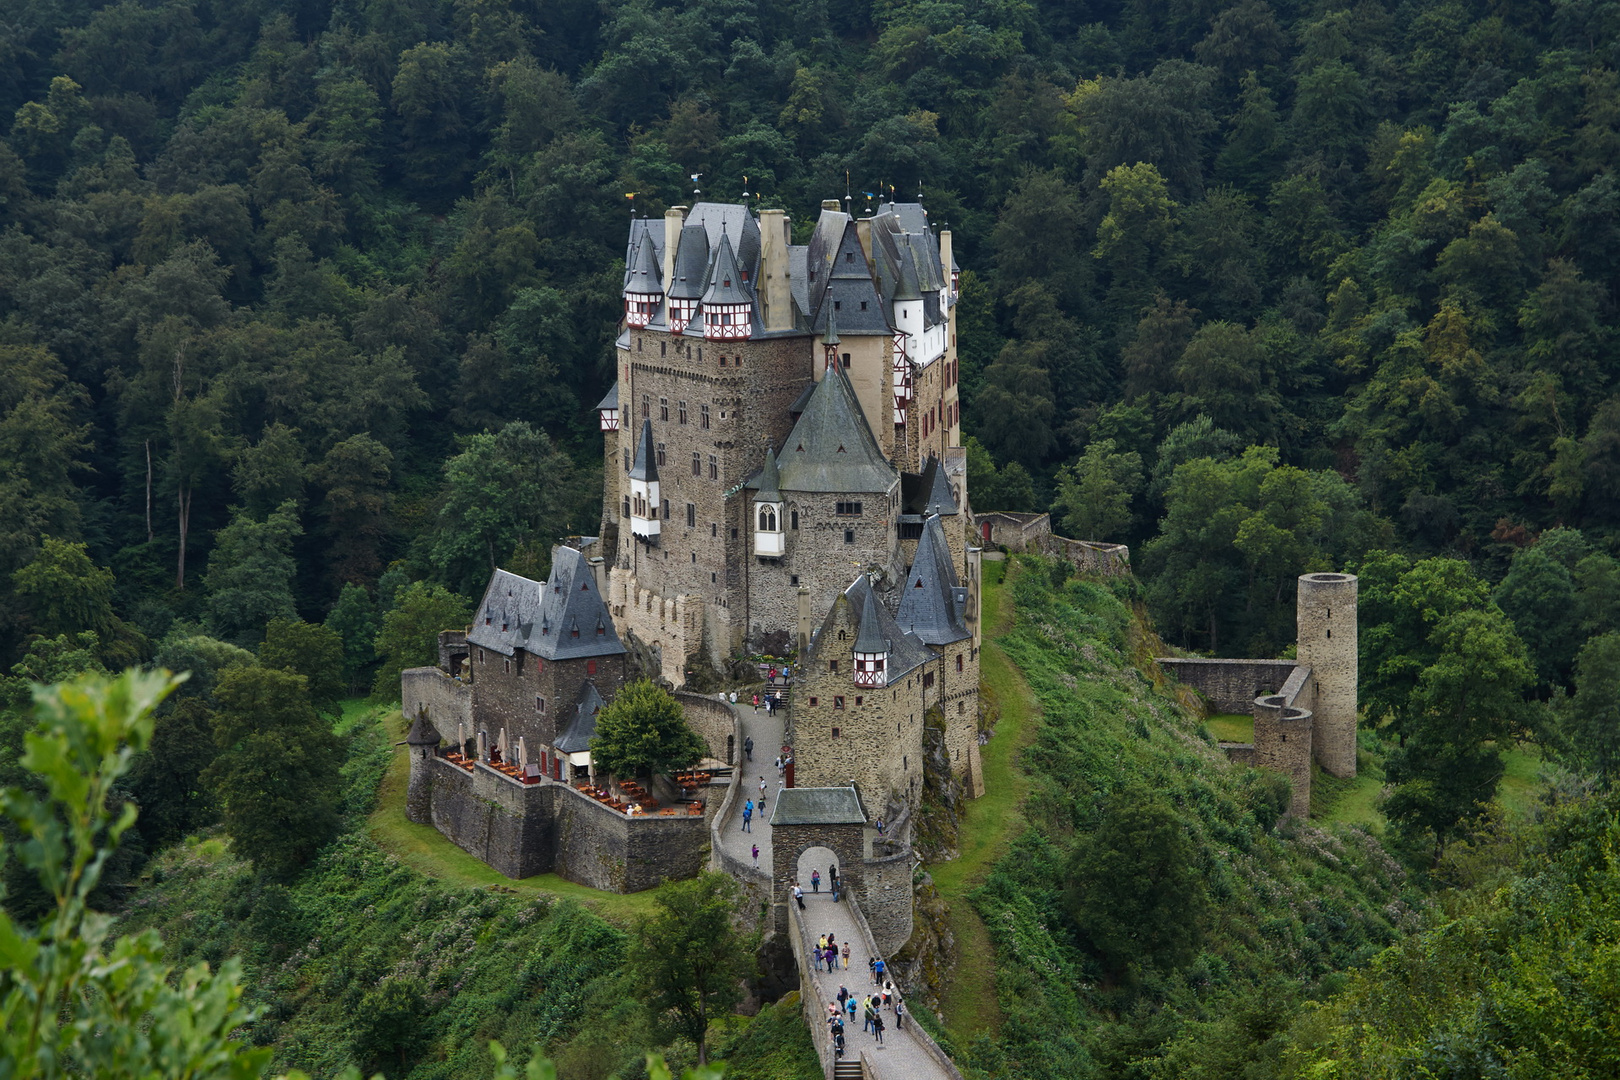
point(847, 1070)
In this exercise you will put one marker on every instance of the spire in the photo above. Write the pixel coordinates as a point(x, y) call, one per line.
point(725, 283)
point(645, 276)
point(645, 468)
point(770, 479)
point(422, 732)
point(830, 338)
point(871, 640)
point(931, 601)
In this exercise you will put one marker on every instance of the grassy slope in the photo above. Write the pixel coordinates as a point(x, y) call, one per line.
point(1287, 910)
point(989, 824)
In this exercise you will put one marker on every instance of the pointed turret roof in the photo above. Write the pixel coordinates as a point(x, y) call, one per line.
point(582, 728)
point(645, 467)
point(541, 617)
point(611, 401)
point(931, 602)
point(691, 263)
point(832, 448)
point(645, 276)
point(871, 640)
point(928, 492)
point(831, 336)
point(725, 280)
point(422, 732)
point(769, 485)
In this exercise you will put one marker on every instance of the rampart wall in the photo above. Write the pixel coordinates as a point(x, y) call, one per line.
point(1230, 685)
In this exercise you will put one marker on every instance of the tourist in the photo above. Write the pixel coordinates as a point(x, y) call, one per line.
point(846, 956)
point(756, 703)
point(888, 993)
point(756, 856)
point(880, 826)
point(877, 1028)
point(762, 807)
point(868, 1014)
point(748, 816)
point(734, 701)
point(877, 970)
point(798, 894)
point(832, 956)
point(821, 945)
point(843, 995)
point(849, 1007)
point(762, 787)
point(748, 743)
point(899, 1015)
point(815, 876)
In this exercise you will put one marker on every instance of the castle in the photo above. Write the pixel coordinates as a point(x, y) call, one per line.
point(782, 474)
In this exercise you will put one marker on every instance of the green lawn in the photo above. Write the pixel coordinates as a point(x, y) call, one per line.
point(1521, 781)
point(422, 848)
point(990, 822)
point(1231, 727)
point(1350, 801)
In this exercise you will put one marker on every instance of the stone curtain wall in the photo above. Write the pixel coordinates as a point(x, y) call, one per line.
point(1089, 557)
point(788, 842)
point(886, 900)
point(1282, 741)
point(445, 700)
point(717, 725)
point(1230, 685)
point(503, 823)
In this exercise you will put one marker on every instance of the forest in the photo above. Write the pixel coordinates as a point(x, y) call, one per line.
point(304, 307)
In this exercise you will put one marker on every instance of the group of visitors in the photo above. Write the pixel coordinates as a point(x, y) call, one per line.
point(827, 952)
point(871, 1006)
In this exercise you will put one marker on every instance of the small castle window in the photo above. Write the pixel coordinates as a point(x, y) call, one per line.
point(835, 733)
point(832, 667)
point(663, 348)
point(793, 579)
point(574, 632)
point(661, 459)
point(812, 703)
point(846, 361)
point(539, 703)
point(703, 417)
point(838, 702)
point(664, 507)
point(767, 519)
point(627, 506)
point(714, 468)
point(838, 305)
point(734, 534)
point(849, 536)
point(590, 667)
point(691, 515)
point(847, 509)
point(863, 305)
point(663, 408)
point(627, 461)
point(713, 578)
point(697, 463)
point(509, 667)
point(681, 412)
point(793, 520)
point(958, 663)
point(714, 530)
point(928, 679)
point(858, 699)
point(646, 407)
point(722, 361)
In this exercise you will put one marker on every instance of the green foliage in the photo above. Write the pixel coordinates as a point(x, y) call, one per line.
point(250, 575)
point(65, 592)
point(112, 1006)
point(276, 776)
point(409, 635)
point(1094, 494)
point(315, 652)
point(689, 958)
point(354, 620)
point(643, 730)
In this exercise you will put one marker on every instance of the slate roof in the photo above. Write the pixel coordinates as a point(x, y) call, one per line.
point(582, 728)
point(650, 229)
point(845, 291)
point(691, 271)
point(562, 618)
point(927, 492)
point(646, 466)
point(907, 651)
point(832, 448)
point(818, 806)
point(645, 275)
point(611, 401)
point(726, 285)
point(768, 488)
point(422, 732)
point(931, 601)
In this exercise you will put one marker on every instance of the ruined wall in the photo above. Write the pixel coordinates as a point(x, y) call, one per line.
point(886, 899)
point(1230, 685)
point(1089, 557)
point(1282, 741)
point(602, 848)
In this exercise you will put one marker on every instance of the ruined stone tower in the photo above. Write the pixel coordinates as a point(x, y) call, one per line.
point(1282, 741)
point(1327, 644)
point(422, 741)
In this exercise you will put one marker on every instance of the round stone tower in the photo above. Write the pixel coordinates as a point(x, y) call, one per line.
point(421, 744)
point(1282, 741)
point(1327, 643)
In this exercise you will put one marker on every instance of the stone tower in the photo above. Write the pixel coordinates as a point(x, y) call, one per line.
point(1282, 741)
point(1327, 644)
point(421, 743)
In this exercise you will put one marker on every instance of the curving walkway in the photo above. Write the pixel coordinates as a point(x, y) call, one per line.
point(766, 731)
point(902, 1055)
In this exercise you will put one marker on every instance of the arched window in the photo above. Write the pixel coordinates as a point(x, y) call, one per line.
point(767, 519)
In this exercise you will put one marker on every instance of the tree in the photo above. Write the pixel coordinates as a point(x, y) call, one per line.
point(42, 442)
point(116, 1008)
point(250, 574)
point(65, 591)
point(410, 632)
point(1538, 594)
point(354, 619)
point(310, 650)
point(644, 731)
point(167, 780)
point(355, 474)
point(206, 659)
point(688, 957)
point(1592, 719)
point(270, 472)
point(1094, 493)
point(1135, 889)
point(277, 777)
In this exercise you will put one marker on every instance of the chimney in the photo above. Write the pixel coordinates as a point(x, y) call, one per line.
point(804, 621)
point(674, 219)
point(599, 572)
point(944, 258)
point(830, 204)
point(775, 291)
point(863, 233)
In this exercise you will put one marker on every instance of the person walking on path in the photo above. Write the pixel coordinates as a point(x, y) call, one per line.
point(867, 1016)
point(821, 947)
point(846, 956)
point(748, 816)
point(849, 1007)
point(756, 703)
point(815, 876)
point(843, 995)
point(748, 743)
point(798, 894)
point(899, 1015)
point(762, 787)
point(762, 807)
point(831, 956)
point(877, 1028)
point(756, 856)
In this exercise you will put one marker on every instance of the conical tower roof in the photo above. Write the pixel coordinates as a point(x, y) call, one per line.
point(831, 336)
point(645, 276)
point(645, 467)
point(871, 639)
point(725, 282)
point(770, 479)
point(931, 601)
point(422, 732)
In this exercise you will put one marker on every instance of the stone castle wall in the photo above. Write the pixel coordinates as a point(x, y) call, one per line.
point(507, 693)
point(446, 701)
point(715, 723)
point(1230, 685)
point(1282, 741)
point(886, 900)
point(487, 815)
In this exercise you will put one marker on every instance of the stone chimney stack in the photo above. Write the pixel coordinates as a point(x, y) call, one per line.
point(804, 621)
point(674, 220)
point(945, 257)
point(775, 293)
